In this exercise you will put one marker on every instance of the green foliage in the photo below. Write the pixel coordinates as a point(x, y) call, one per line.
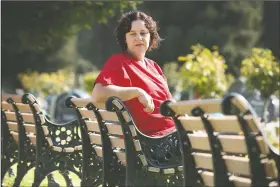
point(42, 23)
point(58, 82)
point(89, 79)
point(172, 74)
point(34, 31)
point(234, 26)
point(261, 69)
point(44, 84)
point(204, 72)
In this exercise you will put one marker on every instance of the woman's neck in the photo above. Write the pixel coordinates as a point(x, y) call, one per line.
point(136, 57)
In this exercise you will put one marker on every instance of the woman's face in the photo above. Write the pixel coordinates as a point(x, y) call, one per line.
point(138, 39)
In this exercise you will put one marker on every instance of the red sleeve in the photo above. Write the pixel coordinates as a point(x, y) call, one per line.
point(113, 73)
point(159, 70)
point(161, 73)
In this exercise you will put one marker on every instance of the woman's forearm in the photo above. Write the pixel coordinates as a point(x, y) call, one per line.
point(101, 93)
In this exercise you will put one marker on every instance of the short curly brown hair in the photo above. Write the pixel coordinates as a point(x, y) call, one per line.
point(124, 26)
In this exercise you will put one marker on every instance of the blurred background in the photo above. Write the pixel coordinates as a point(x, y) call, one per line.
point(56, 49)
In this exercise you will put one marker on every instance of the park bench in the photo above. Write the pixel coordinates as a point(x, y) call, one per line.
point(41, 143)
point(16, 144)
point(109, 133)
point(9, 145)
point(222, 143)
point(104, 146)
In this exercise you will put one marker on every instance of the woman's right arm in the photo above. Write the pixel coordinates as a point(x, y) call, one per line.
point(101, 93)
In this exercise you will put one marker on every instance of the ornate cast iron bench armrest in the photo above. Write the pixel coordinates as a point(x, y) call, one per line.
point(58, 146)
point(154, 157)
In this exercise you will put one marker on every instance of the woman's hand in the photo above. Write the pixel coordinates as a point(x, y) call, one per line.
point(146, 100)
point(101, 93)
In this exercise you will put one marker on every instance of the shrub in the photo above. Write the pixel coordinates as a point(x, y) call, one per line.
point(171, 73)
point(44, 84)
point(262, 71)
point(203, 71)
point(89, 79)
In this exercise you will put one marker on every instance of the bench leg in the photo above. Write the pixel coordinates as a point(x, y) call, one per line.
point(6, 167)
point(22, 170)
point(39, 176)
point(51, 181)
point(67, 178)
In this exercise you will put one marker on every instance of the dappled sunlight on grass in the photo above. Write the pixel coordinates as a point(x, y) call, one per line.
point(29, 177)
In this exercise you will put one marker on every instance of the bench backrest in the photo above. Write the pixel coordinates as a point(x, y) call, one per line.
point(140, 148)
point(9, 131)
point(102, 136)
point(229, 143)
point(9, 114)
point(18, 119)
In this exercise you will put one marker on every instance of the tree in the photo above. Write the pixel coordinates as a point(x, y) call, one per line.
point(262, 71)
point(271, 22)
point(234, 26)
point(33, 31)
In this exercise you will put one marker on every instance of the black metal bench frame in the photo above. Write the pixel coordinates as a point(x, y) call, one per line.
point(192, 178)
point(140, 164)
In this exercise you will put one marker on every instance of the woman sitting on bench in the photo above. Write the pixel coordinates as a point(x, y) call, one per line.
point(135, 79)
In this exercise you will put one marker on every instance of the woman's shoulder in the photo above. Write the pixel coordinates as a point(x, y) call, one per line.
point(115, 59)
point(116, 56)
point(152, 63)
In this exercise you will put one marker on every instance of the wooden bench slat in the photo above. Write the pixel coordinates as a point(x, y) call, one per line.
point(253, 123)
point(119, 143)
point(25, 108)
point(32, 138)
point(83, 102)
point(68, 149)
point(114, 128)
point(241, 165)
point(240, 103)
point(29, 118)
point(200, 142)
point(108, 116)
point(207, 105)
point(237, 144)
point(13, 126)
point(240, 181)
point(87, 113)
point(168, 171)
point(30, 128)
point(92, 126)
point(230, 143)
point(235, 164)
point(16, 98)
point(231, 123)
point(46, 130)
point(191, 123)
point(207, 177)
point(203, 160)
point(15, 136)
point(98, 150)
point(95, 138)
point(10, 116)
point(6, 106)
point(121, 156)
point(225, 123)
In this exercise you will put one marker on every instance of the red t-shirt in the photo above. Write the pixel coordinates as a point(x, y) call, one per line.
point(124, 71)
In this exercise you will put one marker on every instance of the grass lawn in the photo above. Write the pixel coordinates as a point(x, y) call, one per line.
point(28, 179)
